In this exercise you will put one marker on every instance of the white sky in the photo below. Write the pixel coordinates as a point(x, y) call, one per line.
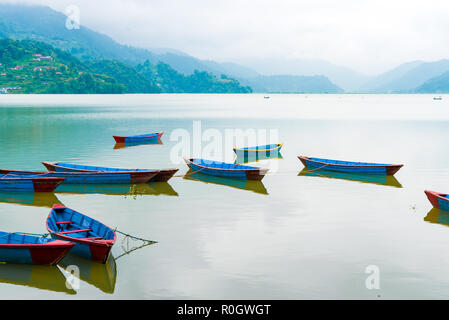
point(368, 36)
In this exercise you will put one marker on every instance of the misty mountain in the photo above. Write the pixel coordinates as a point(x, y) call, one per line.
point(291, 84)
point(439, 84)
point(343, 77)
point(376, 83)
point(406, 77)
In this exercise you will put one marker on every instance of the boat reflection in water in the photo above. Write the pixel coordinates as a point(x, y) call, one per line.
point(256, 156)
point(437, 216)
point(380, 180)
point(36, 199)
point(35, 276)
point(136, 144)
point(151, 188)
point(101, 275)
point(252, 185)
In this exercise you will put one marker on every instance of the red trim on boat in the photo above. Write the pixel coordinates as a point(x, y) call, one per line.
point(64, 222)
point(46, 184)
point(58, 206)
point(433, 197)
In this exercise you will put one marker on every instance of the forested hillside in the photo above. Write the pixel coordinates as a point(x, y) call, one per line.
point(34, 67)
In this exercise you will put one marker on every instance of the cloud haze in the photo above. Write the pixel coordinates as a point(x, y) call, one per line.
point(368, 36)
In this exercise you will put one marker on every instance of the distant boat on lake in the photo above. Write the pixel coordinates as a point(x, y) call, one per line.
point(140, 138)
point(265, 149)
point(438, 98)
point(227, 170)
point(162, 175)
point(349, 166)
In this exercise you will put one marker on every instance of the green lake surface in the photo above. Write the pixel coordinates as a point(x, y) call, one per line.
point(295, 235)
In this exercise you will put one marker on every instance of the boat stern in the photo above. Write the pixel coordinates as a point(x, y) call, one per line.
point(433, 198)
point(46, 184)
point(303, 160)
point(100, 250)
point(164, 175)
point(143, 176)
point(257, 174)
point(49, 165)
point(50, 253)
point(392, 169)
point(188, 162)
point(119, 139)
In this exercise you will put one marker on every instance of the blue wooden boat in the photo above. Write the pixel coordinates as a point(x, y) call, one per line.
point(268, 149)
point(349, 166)
point(88, 177)
point(438, 200)
point(162, 175)
point(18, 183)
point(21, 248)
point(155, 136)
point(228, 170)
point(93, 240)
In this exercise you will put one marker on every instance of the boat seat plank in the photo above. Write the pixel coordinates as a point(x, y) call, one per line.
point(64, 222)
point(92, 238)
point(75, 231)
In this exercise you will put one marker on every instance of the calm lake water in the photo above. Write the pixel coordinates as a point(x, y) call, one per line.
point(293, 236)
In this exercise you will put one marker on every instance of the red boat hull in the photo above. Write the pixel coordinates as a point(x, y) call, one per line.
point(51, 253)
